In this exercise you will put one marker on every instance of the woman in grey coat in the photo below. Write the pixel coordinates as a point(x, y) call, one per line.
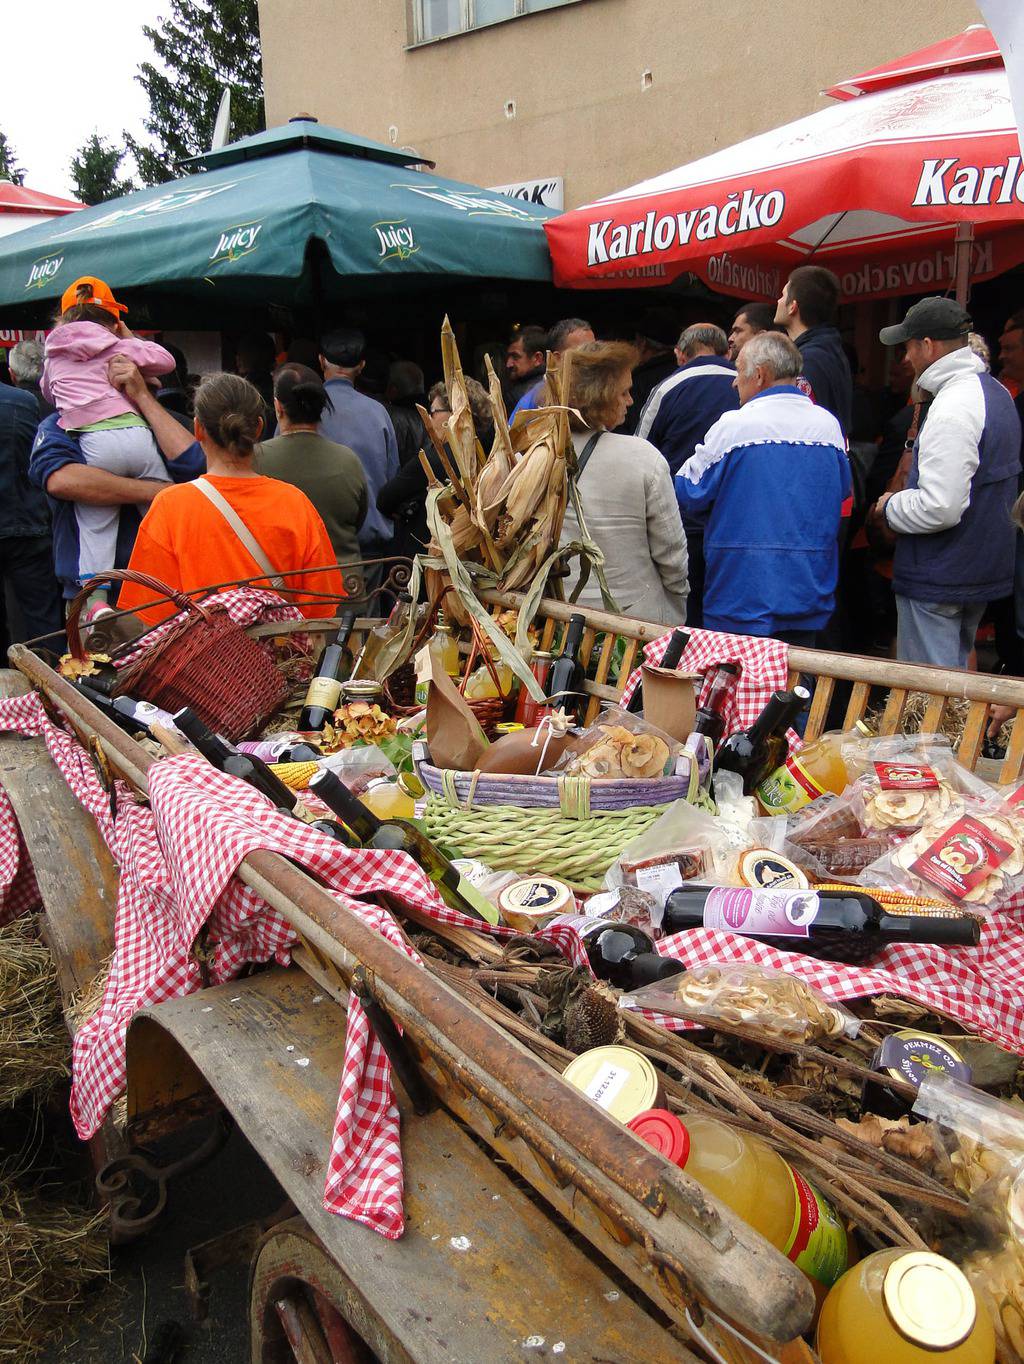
point(629, 503)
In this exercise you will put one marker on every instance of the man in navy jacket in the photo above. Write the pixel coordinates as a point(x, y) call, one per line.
point(807, 310)
point(955, 539)
point(58, 466)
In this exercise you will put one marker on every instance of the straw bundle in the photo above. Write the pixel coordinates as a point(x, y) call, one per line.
point(48, 1252)
point(34, 1047)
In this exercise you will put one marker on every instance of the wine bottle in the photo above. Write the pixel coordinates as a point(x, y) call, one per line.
point(756, 751)
point(564, 686)
point(846, 925)
point(324, 690)
point(674, 651)
point(134, 717)
point(403, 836)
point(226, 757)
point(620, 953)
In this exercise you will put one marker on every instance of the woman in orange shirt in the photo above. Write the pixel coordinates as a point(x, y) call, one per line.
point(188, 542)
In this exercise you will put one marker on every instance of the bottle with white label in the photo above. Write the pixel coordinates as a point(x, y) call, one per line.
point(620, 953)
point(845, 925)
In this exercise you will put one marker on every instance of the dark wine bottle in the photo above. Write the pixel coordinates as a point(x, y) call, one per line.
point(226, 758)
point(324, 690)
point(754, 752)
point(564, 686)
point(134, 717)
point(403, 836)
point(847, 925)
point(710, 717)
point(674, 651)
point(620, 953)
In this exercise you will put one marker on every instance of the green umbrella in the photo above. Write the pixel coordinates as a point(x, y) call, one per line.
point(293, 217)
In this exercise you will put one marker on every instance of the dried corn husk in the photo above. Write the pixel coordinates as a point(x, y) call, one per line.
point(461, 431)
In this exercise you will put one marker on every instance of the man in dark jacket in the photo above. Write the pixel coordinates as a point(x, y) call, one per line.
point(655, 339)
point(26, 551)
point(525, 361)
point(807, 310)
point(58, 467)
point(954, 535)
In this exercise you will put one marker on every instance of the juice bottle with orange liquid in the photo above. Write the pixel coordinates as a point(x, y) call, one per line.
point(758, 1185)
point(813, 771)
point(904, 1307)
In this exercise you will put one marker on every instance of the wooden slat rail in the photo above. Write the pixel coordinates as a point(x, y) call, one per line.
point(876, 683)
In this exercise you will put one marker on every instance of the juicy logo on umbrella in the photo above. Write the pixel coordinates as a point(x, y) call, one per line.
point(395, 239)
point(43, 271)
point(235, 242)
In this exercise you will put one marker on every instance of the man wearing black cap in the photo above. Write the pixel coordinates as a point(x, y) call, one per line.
point(954, 536)
point(656, 335)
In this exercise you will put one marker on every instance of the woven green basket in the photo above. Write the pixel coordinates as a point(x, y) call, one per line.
point(511, 838)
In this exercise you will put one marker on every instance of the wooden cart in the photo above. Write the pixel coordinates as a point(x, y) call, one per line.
point(524, 1283)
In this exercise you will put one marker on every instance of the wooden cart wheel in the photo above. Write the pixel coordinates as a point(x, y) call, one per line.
point(298, 1298)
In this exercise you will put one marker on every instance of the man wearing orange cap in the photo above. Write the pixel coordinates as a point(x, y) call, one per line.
point(112, 433)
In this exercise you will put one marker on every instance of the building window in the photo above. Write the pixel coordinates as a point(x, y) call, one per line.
point(443, 18)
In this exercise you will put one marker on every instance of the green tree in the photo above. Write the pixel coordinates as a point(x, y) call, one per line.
point(203, 46)
point(94, 171)
point(9, 168)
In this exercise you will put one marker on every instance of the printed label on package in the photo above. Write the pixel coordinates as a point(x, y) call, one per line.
point(962, 857)
point(906, 777)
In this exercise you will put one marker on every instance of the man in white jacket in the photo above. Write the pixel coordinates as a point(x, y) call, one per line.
point(954, 536)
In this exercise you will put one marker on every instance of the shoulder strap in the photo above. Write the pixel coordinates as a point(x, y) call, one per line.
point(585, 453)
point(240, 528)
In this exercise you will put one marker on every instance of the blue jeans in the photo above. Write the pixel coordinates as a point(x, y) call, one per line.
point(938, 633)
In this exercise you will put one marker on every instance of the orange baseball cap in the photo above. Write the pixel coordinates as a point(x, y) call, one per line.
point(99, 293)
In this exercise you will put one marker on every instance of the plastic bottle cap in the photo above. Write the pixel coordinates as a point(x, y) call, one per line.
point(929, 1300)
point(663, 1130)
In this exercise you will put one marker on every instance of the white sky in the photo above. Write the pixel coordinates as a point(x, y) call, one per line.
point(68, 69)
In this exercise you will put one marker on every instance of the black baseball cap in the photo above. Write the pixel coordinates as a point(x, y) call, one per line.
point(938, 319)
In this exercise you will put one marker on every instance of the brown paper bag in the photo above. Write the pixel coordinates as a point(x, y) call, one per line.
point(670, 700)
point(454, 736)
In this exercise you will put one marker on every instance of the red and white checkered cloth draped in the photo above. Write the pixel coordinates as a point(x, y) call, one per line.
point(245, 605)
point(765, 664)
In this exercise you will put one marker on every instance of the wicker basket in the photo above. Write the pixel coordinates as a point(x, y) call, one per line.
point(570, 827)
point(203, 660)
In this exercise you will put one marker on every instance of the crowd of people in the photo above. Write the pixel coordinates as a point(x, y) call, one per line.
point(737, 479)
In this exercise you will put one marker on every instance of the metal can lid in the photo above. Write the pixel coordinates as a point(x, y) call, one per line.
point(929, 1300)
point(362, 688)
point(535, 895)
point(912, 1056)
point(663, 1130)
point(618, 1079)
point(770, 871)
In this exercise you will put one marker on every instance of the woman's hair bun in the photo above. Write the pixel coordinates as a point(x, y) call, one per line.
point(230, 410)
point(301, 392)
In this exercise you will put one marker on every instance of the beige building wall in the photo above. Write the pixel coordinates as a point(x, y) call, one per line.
point(605, 92)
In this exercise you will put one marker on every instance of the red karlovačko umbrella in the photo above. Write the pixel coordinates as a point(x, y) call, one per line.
point(874, 187)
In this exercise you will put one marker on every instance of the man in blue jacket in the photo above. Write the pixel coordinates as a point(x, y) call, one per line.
point(954, 536)
point(58, 467)
point(772, 478)
point(808, 309)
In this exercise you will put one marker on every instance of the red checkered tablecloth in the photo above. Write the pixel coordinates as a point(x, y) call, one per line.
point(765, 664)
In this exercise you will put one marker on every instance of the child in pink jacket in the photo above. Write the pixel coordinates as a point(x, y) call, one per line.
point(112, 435)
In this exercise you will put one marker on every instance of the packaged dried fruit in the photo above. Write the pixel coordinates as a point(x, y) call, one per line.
point(774, 1002)
point(619, 745)
point(972, 857)
point(980, 1141)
